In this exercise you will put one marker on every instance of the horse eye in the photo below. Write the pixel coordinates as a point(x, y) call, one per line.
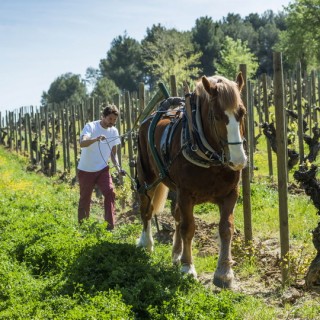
point(241, 112)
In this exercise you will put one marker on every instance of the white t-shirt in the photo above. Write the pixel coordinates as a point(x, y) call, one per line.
point(96, 156)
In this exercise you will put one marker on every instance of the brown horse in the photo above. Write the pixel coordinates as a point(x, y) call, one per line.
point(196, 150)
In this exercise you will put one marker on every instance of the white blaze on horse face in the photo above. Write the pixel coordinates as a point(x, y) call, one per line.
point(238, 158)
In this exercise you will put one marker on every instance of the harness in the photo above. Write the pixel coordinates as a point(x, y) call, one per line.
point(194, 145)
point(175, 116)
point(196, 148)
point(162, 165)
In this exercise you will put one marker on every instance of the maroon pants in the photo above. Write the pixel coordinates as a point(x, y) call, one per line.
point(87, 181)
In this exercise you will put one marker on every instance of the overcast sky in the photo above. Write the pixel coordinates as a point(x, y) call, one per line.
point(43, 39)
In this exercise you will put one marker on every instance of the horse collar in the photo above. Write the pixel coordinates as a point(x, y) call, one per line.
point(196, 148)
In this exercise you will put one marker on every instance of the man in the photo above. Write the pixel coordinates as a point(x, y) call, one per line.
point(98, 140)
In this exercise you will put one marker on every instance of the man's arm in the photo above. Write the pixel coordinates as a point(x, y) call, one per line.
point(85, 141)
point(114, 159)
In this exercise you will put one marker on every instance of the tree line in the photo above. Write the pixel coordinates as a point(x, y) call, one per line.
point(209, 47)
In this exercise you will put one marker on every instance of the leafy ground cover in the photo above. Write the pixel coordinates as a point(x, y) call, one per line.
point(51, 268)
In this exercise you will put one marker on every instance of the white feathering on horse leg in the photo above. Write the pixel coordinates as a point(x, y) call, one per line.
point(176, 258)
point(223, 278)
point(189, 269)
point(146, 239)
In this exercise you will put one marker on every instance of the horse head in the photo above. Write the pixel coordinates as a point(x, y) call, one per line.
point(224, 112)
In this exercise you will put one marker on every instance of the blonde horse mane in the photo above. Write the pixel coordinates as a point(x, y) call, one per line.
point(228, 92)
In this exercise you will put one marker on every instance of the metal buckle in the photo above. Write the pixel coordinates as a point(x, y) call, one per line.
point(194, 147)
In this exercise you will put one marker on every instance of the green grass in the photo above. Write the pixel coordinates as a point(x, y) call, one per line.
point(50, 268)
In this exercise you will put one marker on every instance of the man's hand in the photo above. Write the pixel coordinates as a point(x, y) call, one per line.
point(86, 141)
point(100, 138)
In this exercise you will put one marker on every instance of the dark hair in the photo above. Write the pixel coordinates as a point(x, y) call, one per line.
point(110, 109)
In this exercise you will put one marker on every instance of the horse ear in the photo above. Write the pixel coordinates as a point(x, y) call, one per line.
point(207, 86)
point(240, 81)
point(206, 83)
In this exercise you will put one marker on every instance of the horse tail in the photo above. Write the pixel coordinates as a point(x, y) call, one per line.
point(159, 198)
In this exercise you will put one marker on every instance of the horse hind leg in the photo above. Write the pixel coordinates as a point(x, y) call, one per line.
point(151, 202)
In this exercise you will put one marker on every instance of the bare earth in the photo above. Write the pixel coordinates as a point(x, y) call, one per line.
point(264, 284)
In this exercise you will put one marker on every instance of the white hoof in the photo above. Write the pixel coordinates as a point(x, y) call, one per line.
point(145, 242)
point(176, 258)
point(189, 269)
point(223, 279)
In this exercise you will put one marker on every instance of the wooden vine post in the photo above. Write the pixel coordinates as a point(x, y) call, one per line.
point(246, 171)
point(116, 101)
point(63, 137)
point(250, 126)
point(16, 132)
point(173, 86)
point(300, 115)
point(281, 163)
point(67, 136)
point(10, 133)
point(312, 97)
point(74, 139)
point(25, 133)
point(28, 125)
point(46, 124)
point(142, 97)
point(129, 127)
point(266, 119)
point(53, 146)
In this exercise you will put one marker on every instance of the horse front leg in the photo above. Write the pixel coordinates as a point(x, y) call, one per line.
point(223, 276)
point(186, 228)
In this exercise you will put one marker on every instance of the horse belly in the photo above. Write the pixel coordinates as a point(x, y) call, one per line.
point(207, 185)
